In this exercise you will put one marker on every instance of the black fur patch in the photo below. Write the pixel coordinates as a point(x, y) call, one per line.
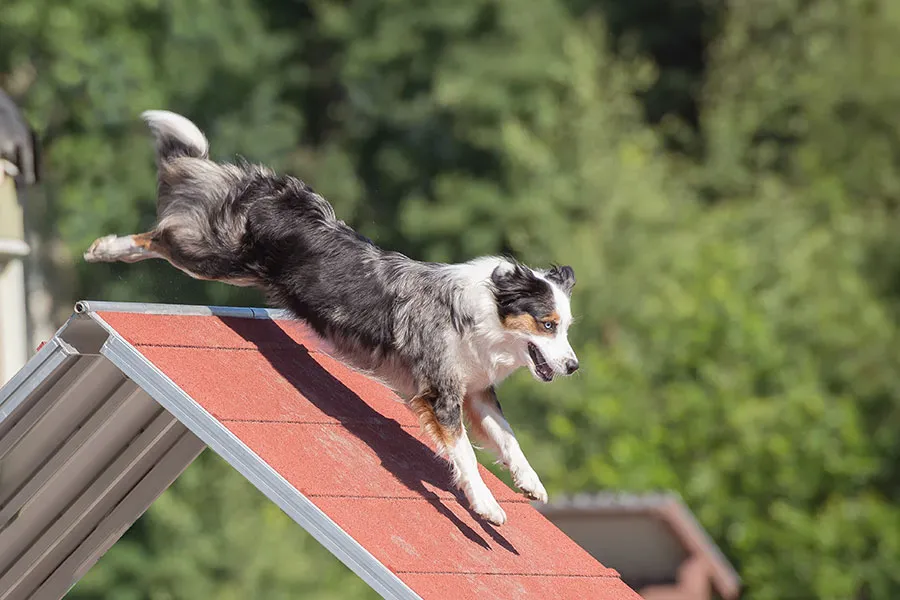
point(317, 266)
point(519, 291)
point(564, 277)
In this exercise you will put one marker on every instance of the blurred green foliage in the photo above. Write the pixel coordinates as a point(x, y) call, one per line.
point(722, 176)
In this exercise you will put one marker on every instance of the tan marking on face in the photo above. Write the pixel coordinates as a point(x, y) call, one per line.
point(444, 437)
point(528, 324)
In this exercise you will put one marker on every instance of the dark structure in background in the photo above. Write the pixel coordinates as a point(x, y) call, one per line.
point(17, 142)
point(18, 169)
point(652, 540)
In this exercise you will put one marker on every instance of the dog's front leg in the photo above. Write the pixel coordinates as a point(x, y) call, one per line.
point(440, 414)
point(492, 429)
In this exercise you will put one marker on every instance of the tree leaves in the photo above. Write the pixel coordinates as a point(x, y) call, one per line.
point(736, 307)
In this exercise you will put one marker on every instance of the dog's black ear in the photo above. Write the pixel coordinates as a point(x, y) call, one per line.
point(514, 285)
point(514, 279)
point(564, 277)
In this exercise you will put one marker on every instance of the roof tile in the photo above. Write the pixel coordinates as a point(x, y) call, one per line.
point(418, 536)
point(277, 385)
point(142, 329)
point(441, 586)
point(327, 459)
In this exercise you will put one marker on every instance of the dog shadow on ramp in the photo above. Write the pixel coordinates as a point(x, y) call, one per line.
point(412, 463)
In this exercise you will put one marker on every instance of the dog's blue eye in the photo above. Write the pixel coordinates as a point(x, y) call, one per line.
point(549, 325)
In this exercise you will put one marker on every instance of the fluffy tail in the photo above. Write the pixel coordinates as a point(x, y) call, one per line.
point(176, 136)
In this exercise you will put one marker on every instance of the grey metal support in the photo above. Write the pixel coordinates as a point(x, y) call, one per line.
point(92, 306)
point(47, 364)
point(110, 529)
point(42, 556)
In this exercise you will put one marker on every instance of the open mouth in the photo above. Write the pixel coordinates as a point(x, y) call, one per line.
point(543, 370)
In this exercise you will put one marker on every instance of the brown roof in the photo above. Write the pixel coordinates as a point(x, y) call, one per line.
point(652, 540)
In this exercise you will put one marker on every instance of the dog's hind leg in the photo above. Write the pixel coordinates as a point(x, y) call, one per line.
point(491, 428)
point(127, 248)
point(440, 414)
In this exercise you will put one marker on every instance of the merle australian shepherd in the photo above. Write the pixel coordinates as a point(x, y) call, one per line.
point(441, 335)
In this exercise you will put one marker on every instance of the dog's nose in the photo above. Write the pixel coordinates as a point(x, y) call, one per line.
point(571, 366)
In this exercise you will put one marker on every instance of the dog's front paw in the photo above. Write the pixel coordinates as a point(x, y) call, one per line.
point(489, 510)
point(530, 484)
point(484, 504)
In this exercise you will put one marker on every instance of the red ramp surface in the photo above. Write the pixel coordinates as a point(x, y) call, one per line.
point(312, 434)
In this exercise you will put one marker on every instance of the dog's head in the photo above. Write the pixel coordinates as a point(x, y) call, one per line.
point(534, 307)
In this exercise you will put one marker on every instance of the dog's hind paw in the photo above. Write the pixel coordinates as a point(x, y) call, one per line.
point(102, 250)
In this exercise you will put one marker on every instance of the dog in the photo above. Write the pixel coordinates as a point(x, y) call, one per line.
point(441, 335)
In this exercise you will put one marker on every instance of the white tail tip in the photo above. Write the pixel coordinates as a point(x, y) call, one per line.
point(168, 125)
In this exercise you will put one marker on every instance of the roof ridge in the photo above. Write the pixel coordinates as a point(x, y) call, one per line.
point(195, 310)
